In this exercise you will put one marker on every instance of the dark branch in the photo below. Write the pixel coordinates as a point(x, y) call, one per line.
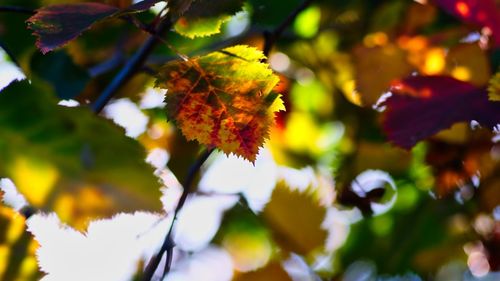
point(133, 65)
point(272, 36)
point(168, 244)
point(19, 10)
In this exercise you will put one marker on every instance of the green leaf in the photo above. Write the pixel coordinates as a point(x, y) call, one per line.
point(271, 13)
point(204, 17)
point(59, 70)
point(51, 152)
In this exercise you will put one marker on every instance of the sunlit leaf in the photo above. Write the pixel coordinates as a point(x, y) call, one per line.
point(56, 25)
point(298, 228)
point(243, 235)
point(223, 99)
point(272, 272)
point(376, 68)
point(53, 152)
point(484, 13)
point(421, 106)
point(494, 87)
point(468, 62)
point(15, 247)
point(108, 249)
point(204, 17)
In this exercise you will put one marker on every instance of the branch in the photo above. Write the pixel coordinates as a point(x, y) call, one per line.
point(168, 244)
point(132, 66)
point(19, 10)
point(272, 36)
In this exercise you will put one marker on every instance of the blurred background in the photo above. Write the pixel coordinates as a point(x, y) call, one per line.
point(328, 198)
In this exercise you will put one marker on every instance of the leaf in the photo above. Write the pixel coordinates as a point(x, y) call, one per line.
point(295, 218)
point(179, 7)
point(222, 99)
point(67, 78)
point(52, 152)
point(494, 88)
point(273, 271)
point(271, 13)
point(15, 246)
point(204, 18)
point(376, 68)
point(484, 13)
point(468, 62)
point(56, 25)
point(109, 249)
point(421, 106)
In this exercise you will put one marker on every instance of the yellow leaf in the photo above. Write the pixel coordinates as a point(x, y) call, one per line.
point(295, 218)
point(494, 88)
point(272, 272)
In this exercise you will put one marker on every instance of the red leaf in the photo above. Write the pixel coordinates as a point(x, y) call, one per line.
point(480, 12)
point(58, 24)
point(421, 106)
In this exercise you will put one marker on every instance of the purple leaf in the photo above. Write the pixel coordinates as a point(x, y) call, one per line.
point(484, 13)
point(420, 106)
point(58, 24)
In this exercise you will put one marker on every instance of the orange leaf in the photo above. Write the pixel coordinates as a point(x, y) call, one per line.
point(222, 99)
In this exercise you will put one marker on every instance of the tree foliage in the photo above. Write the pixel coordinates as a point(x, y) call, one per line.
point(249, 140)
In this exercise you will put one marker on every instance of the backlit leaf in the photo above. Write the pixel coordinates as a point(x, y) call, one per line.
point(376, 68)
point(421, 106)
point(55, 154)
point(484, 13)
point(222, 99)
point(468, 62)
point(298, 228)
point(56, 25)
point(204, 17)
point(494, 88)
point(271, 272)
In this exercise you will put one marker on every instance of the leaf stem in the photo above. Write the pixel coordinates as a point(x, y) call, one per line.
point(168, 244)
point(19, 10)
point(271, 37)
point(133, 65)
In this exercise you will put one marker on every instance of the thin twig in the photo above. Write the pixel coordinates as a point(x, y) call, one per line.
point(272, 36)
point(19, 10)
point(116, 60)
point(147, 28)
point(132, 66)
point(168, 244)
